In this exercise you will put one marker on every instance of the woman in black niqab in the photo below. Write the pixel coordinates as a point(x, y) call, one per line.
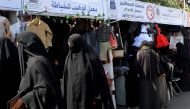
point(84, 83)
point(183, 62)
point(38, 79)
point(182, 56)
point(9, 71)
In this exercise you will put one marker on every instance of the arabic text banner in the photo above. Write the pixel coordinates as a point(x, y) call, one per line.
point(135, 11)
point(73, 7)
point(169, 16)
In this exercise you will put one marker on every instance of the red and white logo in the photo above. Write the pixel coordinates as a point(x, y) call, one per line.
point(150, 12)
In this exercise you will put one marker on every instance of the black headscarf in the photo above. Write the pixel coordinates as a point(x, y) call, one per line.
point(38, 76)
point(29, 44)
point(182, 59)
point(181, 53)
point(9, 71)
point(84, 78)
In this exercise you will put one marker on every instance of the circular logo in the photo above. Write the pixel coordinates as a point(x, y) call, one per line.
point(150, 12)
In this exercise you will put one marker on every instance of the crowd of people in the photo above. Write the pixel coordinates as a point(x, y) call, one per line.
point(27, 68)
point(29, 79)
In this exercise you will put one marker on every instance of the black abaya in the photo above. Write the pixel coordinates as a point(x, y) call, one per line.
point(84, 82)
point(147, 67)
point(182, 59)
point(38, 78)
point(9, 71)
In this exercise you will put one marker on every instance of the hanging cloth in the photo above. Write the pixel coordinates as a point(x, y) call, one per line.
point(9, 71)
point(161, 40)
point(42, 30)
point(143, 36)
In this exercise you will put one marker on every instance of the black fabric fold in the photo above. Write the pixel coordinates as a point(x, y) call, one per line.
point(84, 83)
point(9, 71)
point(38, 75)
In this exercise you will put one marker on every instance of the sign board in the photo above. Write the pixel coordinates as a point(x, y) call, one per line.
point(174, 40)
point(135, 11)
point(14, 5)
point(112, 9)
point(35, 5)
point(169, 16)
point(76, 7)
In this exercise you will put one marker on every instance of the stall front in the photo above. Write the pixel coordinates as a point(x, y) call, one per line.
point(132, 17)
point(87, 17)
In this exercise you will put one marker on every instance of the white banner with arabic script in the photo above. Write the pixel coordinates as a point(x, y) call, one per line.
point(169, 16)
point(135, 11)
point(76, 7)
point(14, 5)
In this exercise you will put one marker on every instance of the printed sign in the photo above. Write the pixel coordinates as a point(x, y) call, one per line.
point(135, 11)
point(112, 9)
point(150, 12)
point(169, 16)
point(14, 5)
point(35, 5)
point(174, 40)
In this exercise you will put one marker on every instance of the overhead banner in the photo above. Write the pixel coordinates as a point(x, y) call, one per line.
point(13, 5)
point(170, 16)
point(135, 11)
point(76, 7)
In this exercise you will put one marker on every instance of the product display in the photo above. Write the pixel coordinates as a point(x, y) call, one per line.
point(143, 36)
point(161, 40)
point(42, 30)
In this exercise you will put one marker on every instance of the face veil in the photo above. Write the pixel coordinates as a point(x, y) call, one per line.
point(29, 45)
point(38, 75)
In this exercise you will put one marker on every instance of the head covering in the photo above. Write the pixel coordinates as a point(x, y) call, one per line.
point(29, 44)
point(9, 71)
point(181, 52)
point(179, 45)
point(84, 77)
point(38, 75)
point(77, 44)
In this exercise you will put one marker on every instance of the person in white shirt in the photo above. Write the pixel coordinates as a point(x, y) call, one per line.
point(20, 26)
